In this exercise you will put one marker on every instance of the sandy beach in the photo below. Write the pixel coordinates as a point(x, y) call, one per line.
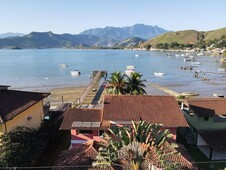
point(65, 94)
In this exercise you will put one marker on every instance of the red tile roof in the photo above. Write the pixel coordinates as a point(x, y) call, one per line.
point(208, 106)
point(79, 157)
point(82, 115)
point(154, 109)
point(14, 102)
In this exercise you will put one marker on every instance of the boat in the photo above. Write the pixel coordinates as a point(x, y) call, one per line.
point(182, 55)
point(189, 94)
point(159, 74)
point(199, 54)
point(218, 95)
point(136, 55)
point(75, 72)
point(195, 64)
point(188, 59)
point(63, 65)
point(221, 70)
point(129, 70)
point(177, 55)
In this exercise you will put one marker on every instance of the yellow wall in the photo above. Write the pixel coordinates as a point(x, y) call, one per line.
point(35, 111)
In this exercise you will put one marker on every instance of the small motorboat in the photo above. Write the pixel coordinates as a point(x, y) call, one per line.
point(63, 65)
point(129, 70)
point(75, 72)
point(218, 95)
point(195, 64)
point(159, 74)
point(221, 70)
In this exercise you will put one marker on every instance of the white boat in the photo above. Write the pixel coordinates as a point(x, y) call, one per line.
point(221, 70)
point(75, 72)
point(63, 65)
point(130, 67)
point(182, 55)
point(129, 70)
point(136, 55)
point(195, 64)
point(218, 95)
point(177, 55)
point(199, 54)
point(159, 74)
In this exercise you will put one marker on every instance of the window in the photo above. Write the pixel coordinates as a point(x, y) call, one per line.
point(86, 131)
point(206, 118)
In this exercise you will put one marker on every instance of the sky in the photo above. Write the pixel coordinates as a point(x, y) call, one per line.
point(75, 16)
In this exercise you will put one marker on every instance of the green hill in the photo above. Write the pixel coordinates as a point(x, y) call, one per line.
point(181, 37)
point(187, 38)
point(215, 34)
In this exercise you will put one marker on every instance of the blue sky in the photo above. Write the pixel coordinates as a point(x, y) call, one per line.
point(74, 16)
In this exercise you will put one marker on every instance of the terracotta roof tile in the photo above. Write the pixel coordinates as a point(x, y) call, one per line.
point(78, 157)
point(208, 106)
point(14, 102)
point(155, 109)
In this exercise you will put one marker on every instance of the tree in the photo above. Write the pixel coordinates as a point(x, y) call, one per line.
point(20, 147)
point(117, 83)
point(135, 147)
point(122, 84)
point(135, 85)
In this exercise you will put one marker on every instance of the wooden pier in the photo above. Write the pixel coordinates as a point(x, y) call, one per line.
point(92, 93)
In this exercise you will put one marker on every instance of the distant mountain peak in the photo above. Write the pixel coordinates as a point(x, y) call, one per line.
point(122, 33)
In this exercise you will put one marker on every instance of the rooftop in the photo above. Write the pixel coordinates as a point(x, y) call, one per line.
point(14, 102)
point(155, 109)
point(208, 106)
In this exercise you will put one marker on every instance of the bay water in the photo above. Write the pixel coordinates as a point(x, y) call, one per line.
point(38, 69)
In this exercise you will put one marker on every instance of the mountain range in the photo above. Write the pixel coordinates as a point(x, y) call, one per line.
point(11, 34)
point(98, 37)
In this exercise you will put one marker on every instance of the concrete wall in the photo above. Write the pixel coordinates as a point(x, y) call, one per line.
point(200, 124)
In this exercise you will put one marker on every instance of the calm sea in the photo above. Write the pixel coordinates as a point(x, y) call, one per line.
point(39, 69)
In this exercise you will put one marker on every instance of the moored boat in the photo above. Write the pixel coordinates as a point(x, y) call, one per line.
point(75, 72)
point(129, 70)
point(63, 65)
point(159, 74)
point(218, 95)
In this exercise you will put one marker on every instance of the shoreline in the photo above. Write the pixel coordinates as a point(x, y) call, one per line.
point(65, 94)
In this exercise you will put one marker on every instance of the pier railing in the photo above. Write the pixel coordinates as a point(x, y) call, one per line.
point(90, 86)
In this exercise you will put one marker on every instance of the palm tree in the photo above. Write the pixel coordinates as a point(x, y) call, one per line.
point(136, 84)
point(117, 83)
point(143, 143)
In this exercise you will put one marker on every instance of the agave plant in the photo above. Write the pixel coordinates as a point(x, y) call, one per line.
point(135, 147)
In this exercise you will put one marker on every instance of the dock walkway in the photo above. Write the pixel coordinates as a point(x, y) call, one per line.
point(166, 90)
point(92, 93)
